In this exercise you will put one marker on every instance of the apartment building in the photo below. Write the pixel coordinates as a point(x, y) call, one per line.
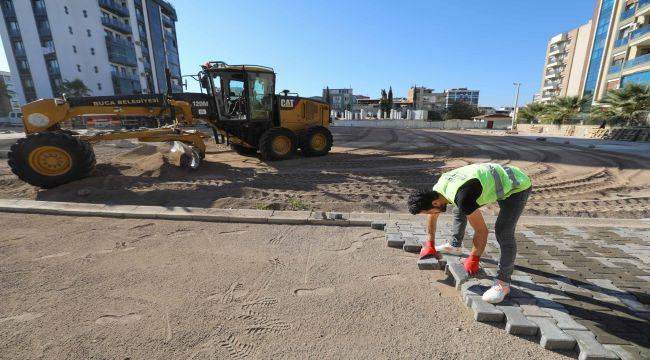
point(564, 68)
point(116, 47)
point(340, 99)
point(424, 98)
point(13, 107)
point(620, 51)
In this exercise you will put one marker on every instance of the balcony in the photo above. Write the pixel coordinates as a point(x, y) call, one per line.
point(121, 51)
point(53, 71)
point(640, 32)
point(44, 32)
point(20, 53)
point(23, 70)
point(640, 60)
point(114, 7)
point(626, 14)
point(9, 11)
point(643, 7)
point(139, 16)
point(48, 50)
point(167, 21)
point(555, 63)
point(14, 32)
point(615, 69)
point(126, 84)
point(116, 25)
point(621, 42)
point(40, 11)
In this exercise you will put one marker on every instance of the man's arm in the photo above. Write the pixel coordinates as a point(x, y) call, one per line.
point(480, 232)
point(431, 227)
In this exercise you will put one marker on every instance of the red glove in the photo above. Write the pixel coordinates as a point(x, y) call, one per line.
point(472, 264)
point(428, 250)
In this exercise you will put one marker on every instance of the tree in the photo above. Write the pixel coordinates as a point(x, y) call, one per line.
point(627, 103)
point(384, 105)
point(563, 109)
point(532, 112)
point(327, 95)
point(5, 99)
point(74, 88)
point(462, 110)
point(390, 97)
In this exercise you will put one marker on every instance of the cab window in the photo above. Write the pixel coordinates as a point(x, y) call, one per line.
point(261, 95)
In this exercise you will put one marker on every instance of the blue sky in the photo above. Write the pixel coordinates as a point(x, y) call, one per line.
point(370, 45)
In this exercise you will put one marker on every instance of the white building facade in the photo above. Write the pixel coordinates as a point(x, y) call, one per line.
point(116, 47)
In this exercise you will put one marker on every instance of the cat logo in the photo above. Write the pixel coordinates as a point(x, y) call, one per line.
point(286, 103)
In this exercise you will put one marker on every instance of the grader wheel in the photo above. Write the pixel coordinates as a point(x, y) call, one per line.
point(277, 144)
point(317, 142)
point(51, 159)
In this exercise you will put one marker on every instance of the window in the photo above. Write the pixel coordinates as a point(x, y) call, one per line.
point(88, 32)
point(99, 86)
point(70, 29)
point(67, 12)
point(86, 15)
point(78, 67)
point(74, 49)
point(261, 95)
point(92, 51)
point(96, 70)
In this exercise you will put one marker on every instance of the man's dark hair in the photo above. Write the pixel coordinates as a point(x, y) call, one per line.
point(420, 201)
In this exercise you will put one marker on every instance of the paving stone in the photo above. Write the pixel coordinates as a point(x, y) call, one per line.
point(624, 352)
point(551, 337)
point(485, 312)
point(471, 289)
point(431, 264)
point(458, 272)
point(516, 322)
point(378, 225)
point(590, 349)
point(394, 240)
point(411, 245)
point(564, 320)
point(534, 310)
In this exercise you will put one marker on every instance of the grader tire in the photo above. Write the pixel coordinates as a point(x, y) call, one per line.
point(50, 159)
point(243, 150)
point(277, 144)
point(317, 142)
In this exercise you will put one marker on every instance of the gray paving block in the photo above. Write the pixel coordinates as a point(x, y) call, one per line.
point(394, 240)
point(378, 225)
point(516, 322)
point(564, 320)
point(458, 272)
point(411, 245)
point(534, 310)
point(470, 289)
point(431, 264)
point(590, 349)
point(623, 352)
point(485, 312)
point(551, 337)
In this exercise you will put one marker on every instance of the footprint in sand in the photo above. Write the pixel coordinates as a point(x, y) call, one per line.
point(350, 249)
point(118, 319)
point(22, 317)
point(61, 254)
point(314, 292)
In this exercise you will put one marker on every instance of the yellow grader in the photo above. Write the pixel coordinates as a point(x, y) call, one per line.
point(239, 105)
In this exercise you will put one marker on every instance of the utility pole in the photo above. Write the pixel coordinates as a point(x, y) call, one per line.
point(516, 110)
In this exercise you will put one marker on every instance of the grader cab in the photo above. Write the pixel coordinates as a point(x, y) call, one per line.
point(238, 102)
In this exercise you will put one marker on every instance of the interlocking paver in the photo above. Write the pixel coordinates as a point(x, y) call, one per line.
point(485, 312)
point(411, 245)
point(590, 349)
point(551, 337)
point(431, 264)
point(394, 240)
point(516, 322)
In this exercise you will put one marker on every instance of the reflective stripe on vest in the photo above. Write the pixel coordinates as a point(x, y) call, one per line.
point(498, 185)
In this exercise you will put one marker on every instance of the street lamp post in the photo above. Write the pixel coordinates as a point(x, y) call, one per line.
point(516, 110)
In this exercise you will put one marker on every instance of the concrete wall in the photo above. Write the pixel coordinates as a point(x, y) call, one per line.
point(419, 124)
point(578, 130)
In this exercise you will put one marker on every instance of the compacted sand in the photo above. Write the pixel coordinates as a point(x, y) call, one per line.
point(92, 288)
point(369, 170)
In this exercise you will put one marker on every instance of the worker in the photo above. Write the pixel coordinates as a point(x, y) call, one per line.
point(468, 188)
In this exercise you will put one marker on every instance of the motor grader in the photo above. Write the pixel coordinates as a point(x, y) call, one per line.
point(238, 102)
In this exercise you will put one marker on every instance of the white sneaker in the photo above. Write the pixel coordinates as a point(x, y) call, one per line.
point(496, 293)
point(447, 248)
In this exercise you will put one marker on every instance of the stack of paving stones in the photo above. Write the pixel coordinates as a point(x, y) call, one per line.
point(580, 289)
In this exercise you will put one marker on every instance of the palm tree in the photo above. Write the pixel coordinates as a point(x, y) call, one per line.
point(563, 109)
point(532, 112)
point(74, 88)
point(627, 103)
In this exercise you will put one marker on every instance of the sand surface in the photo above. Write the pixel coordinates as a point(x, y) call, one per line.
point(93, 288)
point(368, 170)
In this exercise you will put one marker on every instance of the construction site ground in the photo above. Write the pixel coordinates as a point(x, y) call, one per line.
point(369, 169)
point(98, 288)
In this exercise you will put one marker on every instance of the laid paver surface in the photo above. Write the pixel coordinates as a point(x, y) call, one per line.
point(586, 281)
point(87, 287)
